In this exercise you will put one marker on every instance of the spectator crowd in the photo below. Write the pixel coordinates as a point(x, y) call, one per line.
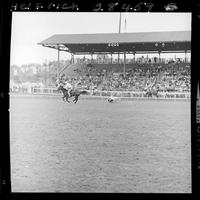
point(167, 78)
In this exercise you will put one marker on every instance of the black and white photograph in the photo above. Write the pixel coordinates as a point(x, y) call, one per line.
point(100, 102)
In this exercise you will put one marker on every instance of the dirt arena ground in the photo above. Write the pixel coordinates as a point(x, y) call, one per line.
point(138, 146)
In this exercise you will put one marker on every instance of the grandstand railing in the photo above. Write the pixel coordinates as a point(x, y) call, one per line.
point(123, 94)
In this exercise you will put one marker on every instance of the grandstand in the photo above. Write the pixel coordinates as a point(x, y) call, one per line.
point(127, 74)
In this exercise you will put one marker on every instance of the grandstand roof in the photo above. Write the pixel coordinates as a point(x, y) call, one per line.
point(119, 38)
point(80, 42)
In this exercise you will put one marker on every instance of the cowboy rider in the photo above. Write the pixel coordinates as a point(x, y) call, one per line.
point(68, 87)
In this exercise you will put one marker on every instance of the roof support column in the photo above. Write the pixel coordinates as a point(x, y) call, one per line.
point(72, 58)
point(124, 64)
point(134, 58)
point(159, 59)
point(58, 63)
point(118, 58)
point(185, 56)
point(92, 58)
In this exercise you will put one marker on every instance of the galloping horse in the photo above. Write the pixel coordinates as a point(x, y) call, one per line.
point(74, 92)
point(151, 93)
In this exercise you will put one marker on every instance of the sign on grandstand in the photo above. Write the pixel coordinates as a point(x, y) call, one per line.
point(114, 44)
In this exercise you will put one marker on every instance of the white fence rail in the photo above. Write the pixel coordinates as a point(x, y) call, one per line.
point(45, 91)
point(132, 94)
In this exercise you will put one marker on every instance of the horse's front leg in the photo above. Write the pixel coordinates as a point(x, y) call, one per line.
point(75, 100)
point(67, 100)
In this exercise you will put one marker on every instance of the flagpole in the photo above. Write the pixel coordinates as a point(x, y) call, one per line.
point(120, 17)
point(125, 23)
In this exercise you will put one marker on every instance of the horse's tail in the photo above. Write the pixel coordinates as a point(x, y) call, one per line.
point(84, 92)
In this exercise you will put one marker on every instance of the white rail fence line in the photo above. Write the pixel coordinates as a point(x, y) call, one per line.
point(124, 94)
point(45, 91)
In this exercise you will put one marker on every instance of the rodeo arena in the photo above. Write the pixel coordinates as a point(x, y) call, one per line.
point(123, 125)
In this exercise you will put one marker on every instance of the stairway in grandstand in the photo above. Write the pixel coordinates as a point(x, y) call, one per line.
point(74, 70)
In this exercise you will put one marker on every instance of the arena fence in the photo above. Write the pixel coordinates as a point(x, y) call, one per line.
point(122, 94)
